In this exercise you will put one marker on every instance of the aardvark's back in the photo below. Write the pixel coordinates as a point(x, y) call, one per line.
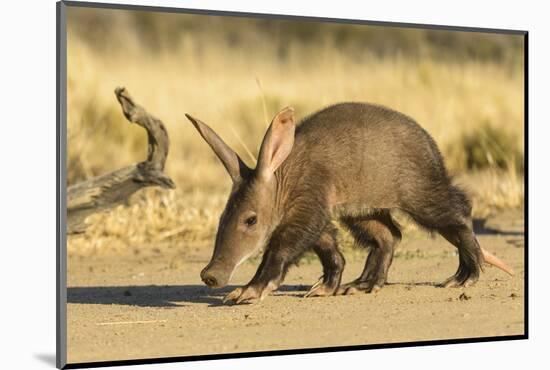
point(370, 155)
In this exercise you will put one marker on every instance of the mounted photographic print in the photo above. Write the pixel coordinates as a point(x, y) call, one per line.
point(235, 184)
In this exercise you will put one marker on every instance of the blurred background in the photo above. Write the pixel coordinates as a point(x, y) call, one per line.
point(466, 89)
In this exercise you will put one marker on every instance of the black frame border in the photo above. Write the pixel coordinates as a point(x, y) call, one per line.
point(61, 168)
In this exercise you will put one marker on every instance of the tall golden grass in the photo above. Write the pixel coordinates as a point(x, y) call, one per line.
point(237, 91)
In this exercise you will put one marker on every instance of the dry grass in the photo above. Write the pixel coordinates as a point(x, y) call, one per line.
point(236, 91)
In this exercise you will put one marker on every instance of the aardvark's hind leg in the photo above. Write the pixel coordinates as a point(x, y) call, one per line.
point(469, 255)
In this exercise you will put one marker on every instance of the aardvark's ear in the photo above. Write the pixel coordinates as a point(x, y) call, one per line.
point(236, 168)
point(277, 143)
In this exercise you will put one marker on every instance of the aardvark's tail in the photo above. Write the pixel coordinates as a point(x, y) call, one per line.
point(493, 260)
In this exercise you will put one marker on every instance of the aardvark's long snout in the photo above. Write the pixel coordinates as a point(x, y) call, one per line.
point(215, 276)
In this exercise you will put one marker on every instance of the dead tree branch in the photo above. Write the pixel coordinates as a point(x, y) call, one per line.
point(106, 191)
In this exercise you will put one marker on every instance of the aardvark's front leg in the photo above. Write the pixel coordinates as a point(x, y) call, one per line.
point(268, 278)
point(286, 245)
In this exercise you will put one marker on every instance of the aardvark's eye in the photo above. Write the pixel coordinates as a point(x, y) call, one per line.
point(250, 221)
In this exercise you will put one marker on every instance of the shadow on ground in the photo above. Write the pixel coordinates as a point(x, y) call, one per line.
point(157, 295)
point(480, 228)
point(177, 295)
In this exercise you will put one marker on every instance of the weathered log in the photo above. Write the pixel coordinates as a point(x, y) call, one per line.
point(106, 191)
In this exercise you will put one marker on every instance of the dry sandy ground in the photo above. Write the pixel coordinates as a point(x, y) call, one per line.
point(152, 304)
